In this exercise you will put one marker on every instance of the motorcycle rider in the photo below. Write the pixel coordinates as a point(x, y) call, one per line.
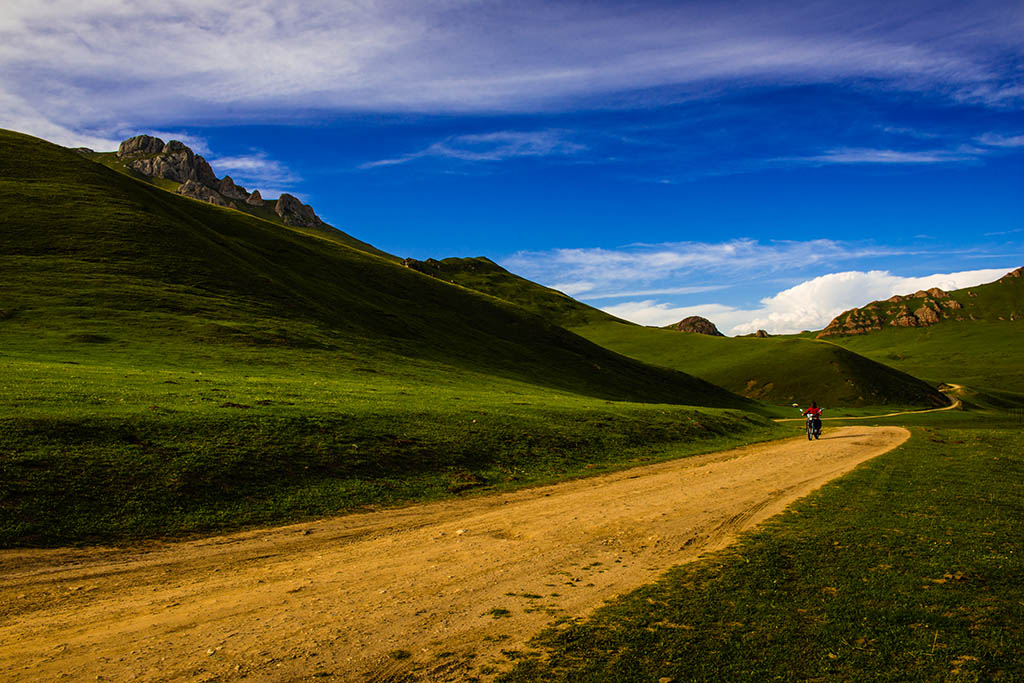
point(814, 412)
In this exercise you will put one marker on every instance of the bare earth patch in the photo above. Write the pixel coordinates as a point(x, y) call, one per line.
point(434, 592)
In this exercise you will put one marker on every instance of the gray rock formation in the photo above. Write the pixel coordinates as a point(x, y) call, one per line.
point(295, 213)
point(176, 162)
point(227, 188)
point(140, 145)
point(196, 190)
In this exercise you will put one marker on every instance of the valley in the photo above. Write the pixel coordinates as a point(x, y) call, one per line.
point(236, 442)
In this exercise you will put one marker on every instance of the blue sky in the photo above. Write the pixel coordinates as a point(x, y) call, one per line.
point(766, 164)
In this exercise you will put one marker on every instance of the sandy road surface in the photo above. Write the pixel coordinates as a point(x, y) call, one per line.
point(437, 591)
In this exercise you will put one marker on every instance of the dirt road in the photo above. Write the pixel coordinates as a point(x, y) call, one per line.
point(440, 591)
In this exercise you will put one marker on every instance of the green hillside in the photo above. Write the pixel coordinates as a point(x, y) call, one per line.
point(89, 253)
point(774, 370)
point(168, 366)
point(779, 370)
point(980, 343)
point(483, 275)
point(265, 212)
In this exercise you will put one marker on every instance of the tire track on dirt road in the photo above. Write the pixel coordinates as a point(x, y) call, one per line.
point(436, 592)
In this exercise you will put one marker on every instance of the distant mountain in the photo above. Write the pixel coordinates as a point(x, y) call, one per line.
point(1003, 301)
point(89, 253)
point(975, 337)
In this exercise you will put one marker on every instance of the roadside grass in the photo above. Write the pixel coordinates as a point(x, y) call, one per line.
point(115, 446)
point(908, 568)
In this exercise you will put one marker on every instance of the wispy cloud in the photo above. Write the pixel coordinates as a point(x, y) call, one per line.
point(892, 156)
point(103, 64)
point(258, 171)
point(997, 140)
point(607, 273)
point(497, 146)
point(1001, 233)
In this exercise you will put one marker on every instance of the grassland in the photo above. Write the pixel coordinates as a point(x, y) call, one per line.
point(777, 370)
point(97, 447)
point(171, 367)
point(906, 569)
point(978, 353)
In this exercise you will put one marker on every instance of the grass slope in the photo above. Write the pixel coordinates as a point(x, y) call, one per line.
point(983, 349)
point(906, 569)
point(483, 275)
point(91, 254)
point(777, 370)
point(169, 367)
point(265, 212)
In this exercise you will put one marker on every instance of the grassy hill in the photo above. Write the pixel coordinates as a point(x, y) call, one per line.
point(483, 275)
point(169, 366)
point(91, 254)
point(778, 370)
point(265, 212)
point(979, 344)
point(773, 370)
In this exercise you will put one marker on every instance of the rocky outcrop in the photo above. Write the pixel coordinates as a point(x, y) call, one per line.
point(697, 325)
point(295, 213)
point(195, 190)
point(761, 334)
point(140, 145)
point(921, 309)
point(227, 188)
point(175, 161)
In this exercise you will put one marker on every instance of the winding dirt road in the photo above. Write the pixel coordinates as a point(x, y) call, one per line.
point(434, 592)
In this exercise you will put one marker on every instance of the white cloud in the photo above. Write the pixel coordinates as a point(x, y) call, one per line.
point(611, 273)
point(892, 156)
point(810, 305)
point(497, 146)
point(256, 170)
point(996, 140)
point(96, 65)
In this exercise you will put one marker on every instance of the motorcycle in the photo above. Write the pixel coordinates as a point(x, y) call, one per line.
point(813, 424)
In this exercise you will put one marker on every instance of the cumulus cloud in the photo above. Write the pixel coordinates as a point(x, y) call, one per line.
point(809, 305)
point(663, 283)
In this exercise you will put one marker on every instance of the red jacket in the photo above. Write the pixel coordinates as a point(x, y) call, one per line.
point(813, 411)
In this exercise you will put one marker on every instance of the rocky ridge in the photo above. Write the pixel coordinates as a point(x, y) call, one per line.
point(152, 157)
point(697, 325)
point(920, 309)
